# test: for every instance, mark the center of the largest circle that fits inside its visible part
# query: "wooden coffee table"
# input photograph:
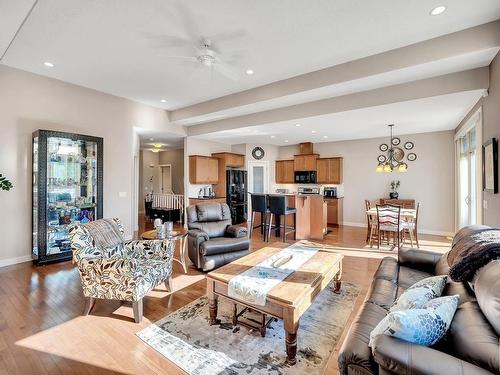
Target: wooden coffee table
(289, 299)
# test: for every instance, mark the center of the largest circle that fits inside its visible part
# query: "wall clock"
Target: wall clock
(258, 153)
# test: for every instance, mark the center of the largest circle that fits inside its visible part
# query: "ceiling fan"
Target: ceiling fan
(203, 51)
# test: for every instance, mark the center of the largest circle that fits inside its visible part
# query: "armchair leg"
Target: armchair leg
(137, 306)
(89, 304)
(169, 284)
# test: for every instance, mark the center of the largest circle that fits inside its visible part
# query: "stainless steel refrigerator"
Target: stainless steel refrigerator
(236, 194)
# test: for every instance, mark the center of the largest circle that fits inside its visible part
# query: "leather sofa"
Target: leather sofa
(471, 346)
(212, 240)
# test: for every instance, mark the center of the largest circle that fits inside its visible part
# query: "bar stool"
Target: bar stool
(259, 205)
(278, 207)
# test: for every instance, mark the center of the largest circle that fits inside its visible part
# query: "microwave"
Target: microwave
(305, 177)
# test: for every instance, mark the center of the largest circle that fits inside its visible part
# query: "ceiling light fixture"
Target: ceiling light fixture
(438, 10)
(286, 140)
(48, 64)
(297, 125)
(325, 136)
(151, 139)
(391, 163)
(163, 101)
(313, 131)
(249, 72)
(273, 136)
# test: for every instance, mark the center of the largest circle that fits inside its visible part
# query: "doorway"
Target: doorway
(468, 145)
(166, 178)
(258, 177)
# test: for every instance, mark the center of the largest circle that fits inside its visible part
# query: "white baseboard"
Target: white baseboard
(16, 260)
(423, 231)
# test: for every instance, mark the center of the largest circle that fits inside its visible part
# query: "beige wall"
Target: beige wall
(491, 129)
(176, 159)
(31, 102)
(429, 180)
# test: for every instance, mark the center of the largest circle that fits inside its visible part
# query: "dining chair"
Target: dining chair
(370, 221)
(413, 227)
(389, 221)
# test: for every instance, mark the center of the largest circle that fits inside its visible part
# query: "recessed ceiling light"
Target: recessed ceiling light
(286, 140)
(249, 72)
(48, 64)
(273, 136)
(313, 131)
(151, 139)
(163, 101)
(297, 125)
(325, 136)
(438, 10)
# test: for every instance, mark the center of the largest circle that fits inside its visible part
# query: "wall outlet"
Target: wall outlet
(122, 194)
(485, 204)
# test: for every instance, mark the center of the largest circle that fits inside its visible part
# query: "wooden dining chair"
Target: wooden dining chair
(370, 221)
(413, 227)
(389, 221)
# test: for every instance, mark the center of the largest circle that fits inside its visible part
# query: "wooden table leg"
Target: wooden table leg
(183, 253)
(212, 303)
(291, 324)
(338, 280)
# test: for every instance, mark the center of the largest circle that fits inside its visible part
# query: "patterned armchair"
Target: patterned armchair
(111, 268)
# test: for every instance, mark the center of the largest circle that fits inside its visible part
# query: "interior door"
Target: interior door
(166, 179)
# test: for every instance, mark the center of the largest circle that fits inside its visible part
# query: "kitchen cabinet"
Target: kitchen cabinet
(284, 171)
(231, 160)
(203, 169)
(329, 170)
(335, 211)
(226, 160)
(305, 162)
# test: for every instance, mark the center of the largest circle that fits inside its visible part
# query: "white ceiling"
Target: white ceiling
(417, 116)
(123, 47)
(167, 140)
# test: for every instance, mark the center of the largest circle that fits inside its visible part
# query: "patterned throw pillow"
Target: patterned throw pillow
(420, 293)
(424, 326)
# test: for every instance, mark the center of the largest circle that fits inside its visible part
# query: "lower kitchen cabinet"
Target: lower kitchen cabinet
(335, 211)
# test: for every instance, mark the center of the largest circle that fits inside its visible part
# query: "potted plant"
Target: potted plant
(394, 189)
(5, 184)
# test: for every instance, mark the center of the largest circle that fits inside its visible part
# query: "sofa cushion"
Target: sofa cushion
(223, 245)
(355, 351)
(388, 270)
(423, 326)
(473, 339)
(409, 276)
(382, 293)
(487, 288)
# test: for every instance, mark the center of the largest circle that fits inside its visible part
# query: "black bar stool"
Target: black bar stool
(259, 204)
(278, 206)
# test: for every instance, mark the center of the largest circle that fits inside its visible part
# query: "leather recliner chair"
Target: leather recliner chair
(212, 239)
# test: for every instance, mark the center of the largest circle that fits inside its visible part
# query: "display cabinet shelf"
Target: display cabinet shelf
(67, 190)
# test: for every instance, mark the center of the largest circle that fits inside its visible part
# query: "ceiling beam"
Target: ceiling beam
(474, 79)
(450, 45)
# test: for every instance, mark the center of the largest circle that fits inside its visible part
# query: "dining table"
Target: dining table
(407, 214)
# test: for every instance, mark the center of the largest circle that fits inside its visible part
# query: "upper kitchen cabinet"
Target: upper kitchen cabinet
(231, 160)
(203, 169)
(305, 162)
(284, 171)
(329, 170)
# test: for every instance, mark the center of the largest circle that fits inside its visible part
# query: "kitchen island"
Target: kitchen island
(311, 217)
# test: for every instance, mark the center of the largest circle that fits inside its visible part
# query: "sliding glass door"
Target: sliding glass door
(469, 159)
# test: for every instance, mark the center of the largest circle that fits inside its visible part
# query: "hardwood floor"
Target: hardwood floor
(42, 330)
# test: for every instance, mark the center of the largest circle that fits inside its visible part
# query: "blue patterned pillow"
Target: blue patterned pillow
(420, 293)
(424, 326)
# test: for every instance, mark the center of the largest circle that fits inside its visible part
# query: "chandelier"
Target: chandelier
(393, 160)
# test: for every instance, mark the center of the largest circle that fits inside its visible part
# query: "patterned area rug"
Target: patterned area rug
(186, 339)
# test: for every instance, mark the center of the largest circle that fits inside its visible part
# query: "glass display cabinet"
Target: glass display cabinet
(67, 190)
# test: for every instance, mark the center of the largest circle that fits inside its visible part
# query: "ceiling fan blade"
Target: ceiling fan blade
(162, 41)
(226, 71)
(189, 24)
(227, 36)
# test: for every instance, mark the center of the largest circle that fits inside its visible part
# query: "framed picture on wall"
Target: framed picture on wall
(490, 166)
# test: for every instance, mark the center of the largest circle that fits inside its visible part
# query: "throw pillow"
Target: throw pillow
(424, 326)
(420, 293)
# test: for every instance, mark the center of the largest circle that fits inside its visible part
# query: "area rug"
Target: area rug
(186, 339)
